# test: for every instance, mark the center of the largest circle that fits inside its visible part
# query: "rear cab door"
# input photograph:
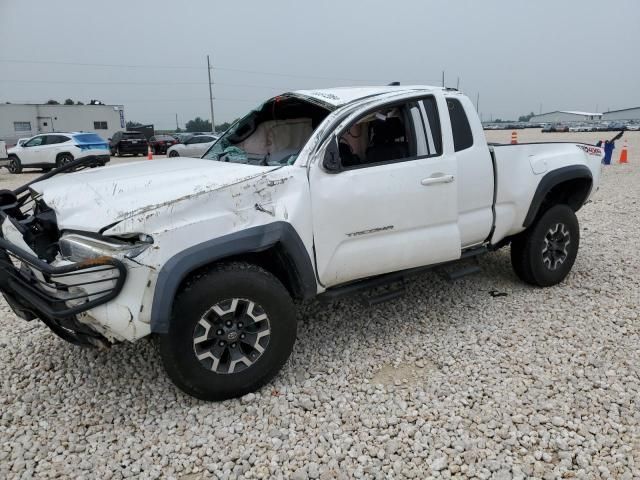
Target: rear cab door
(392, 202)
(55, 145)
(476, 182)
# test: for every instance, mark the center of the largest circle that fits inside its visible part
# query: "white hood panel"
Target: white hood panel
(93, 199)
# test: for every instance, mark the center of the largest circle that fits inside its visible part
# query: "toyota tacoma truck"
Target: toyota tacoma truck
(315, 193)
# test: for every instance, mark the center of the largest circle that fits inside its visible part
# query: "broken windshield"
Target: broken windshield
(271, 135)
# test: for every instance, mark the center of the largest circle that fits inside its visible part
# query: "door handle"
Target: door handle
(437, 178)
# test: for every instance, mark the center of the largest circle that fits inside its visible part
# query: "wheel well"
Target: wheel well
(572, 192)
(274, 260)
(63, 153)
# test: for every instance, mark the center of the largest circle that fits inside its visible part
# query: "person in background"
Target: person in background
(608, 146)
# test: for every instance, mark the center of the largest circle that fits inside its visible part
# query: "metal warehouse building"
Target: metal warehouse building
(625, 114)
(566, 116)
(26, 120)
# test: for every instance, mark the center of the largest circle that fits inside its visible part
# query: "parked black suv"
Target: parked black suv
(123, 143)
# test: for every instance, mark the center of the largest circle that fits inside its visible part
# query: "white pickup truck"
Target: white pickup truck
(314, 193)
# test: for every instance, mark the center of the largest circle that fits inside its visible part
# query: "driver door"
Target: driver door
(33, 150)
(391, 203)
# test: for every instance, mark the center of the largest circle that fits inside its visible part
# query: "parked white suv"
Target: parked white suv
(314, 193)
(51, 150)
(193, 147)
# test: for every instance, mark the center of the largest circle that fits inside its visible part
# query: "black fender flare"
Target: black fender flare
(550, 180)
(254, 239)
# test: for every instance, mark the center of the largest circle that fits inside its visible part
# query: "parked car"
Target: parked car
(633, 127)
(51, 150)
(321, 193)
(160, 143)
(128, 143)
(192, 147)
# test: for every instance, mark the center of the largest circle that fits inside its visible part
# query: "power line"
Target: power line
(194, 67)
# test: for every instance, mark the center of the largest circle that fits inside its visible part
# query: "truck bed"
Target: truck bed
(515, 164)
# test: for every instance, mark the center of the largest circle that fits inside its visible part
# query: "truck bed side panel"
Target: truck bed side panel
(520, 168)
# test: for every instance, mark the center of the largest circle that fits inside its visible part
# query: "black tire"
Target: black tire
(173, 153)
(205, 318)
(14, 166)
(63, 159)
(544, 254)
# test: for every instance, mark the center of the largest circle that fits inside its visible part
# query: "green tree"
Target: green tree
(53, 102)
(68, 101)
(222, 126)
(198, 125)
(79, 103)
(525, 118)
(131, 125)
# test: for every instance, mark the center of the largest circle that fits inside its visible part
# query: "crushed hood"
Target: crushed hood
(97, 198)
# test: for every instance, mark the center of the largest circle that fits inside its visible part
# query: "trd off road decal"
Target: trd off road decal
(597, 151)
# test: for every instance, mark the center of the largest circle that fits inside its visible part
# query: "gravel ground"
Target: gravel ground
(445, 382)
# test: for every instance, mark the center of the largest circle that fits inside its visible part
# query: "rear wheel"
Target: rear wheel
(14, 165)
(544, 254)
(231, 331)
(63, 159)
(173, 153)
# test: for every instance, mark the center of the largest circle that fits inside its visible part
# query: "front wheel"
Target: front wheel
(173, 153)
(544, 254)
(14, 165)
(231, 331)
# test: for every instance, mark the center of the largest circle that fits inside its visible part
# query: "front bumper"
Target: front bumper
(56, 295)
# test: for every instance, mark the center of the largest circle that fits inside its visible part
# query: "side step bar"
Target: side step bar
(387, 279)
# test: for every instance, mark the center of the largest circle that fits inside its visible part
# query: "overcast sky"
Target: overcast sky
(571, 54)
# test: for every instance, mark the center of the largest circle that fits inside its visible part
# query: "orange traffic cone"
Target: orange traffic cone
(150, 154)
(623, 154)
(514, 137)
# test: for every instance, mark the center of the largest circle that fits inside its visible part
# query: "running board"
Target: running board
(462, 270)
(387, 279)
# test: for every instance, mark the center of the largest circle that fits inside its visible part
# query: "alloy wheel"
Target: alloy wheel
(556, 241)
(231, 336)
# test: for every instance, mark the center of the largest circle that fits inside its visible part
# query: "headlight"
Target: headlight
(78, 248)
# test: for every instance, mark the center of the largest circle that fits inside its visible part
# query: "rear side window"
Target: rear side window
(432, 127)
(462, 136)
(53, 139)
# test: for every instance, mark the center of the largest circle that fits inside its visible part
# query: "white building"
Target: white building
(625, 114)
(26, 120)
(566, 116)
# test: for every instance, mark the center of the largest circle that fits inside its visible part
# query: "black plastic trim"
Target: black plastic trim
(251, 240)
(549, 181)
(35, 299)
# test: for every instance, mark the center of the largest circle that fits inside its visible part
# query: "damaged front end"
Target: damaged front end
(33, 286)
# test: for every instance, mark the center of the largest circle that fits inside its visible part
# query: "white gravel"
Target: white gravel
(446, 382)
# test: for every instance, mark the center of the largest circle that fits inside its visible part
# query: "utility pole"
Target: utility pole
(477, 102)
(213, 125)
(443, 79)
(177, 127)
(458, 84)
(540, 113)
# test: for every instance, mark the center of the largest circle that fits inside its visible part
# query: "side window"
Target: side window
(50, 140)
(432, 126)
(382, 136)
(462, 136)
(34, 142)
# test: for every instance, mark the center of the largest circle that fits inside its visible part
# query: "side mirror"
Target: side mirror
(331, 161)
